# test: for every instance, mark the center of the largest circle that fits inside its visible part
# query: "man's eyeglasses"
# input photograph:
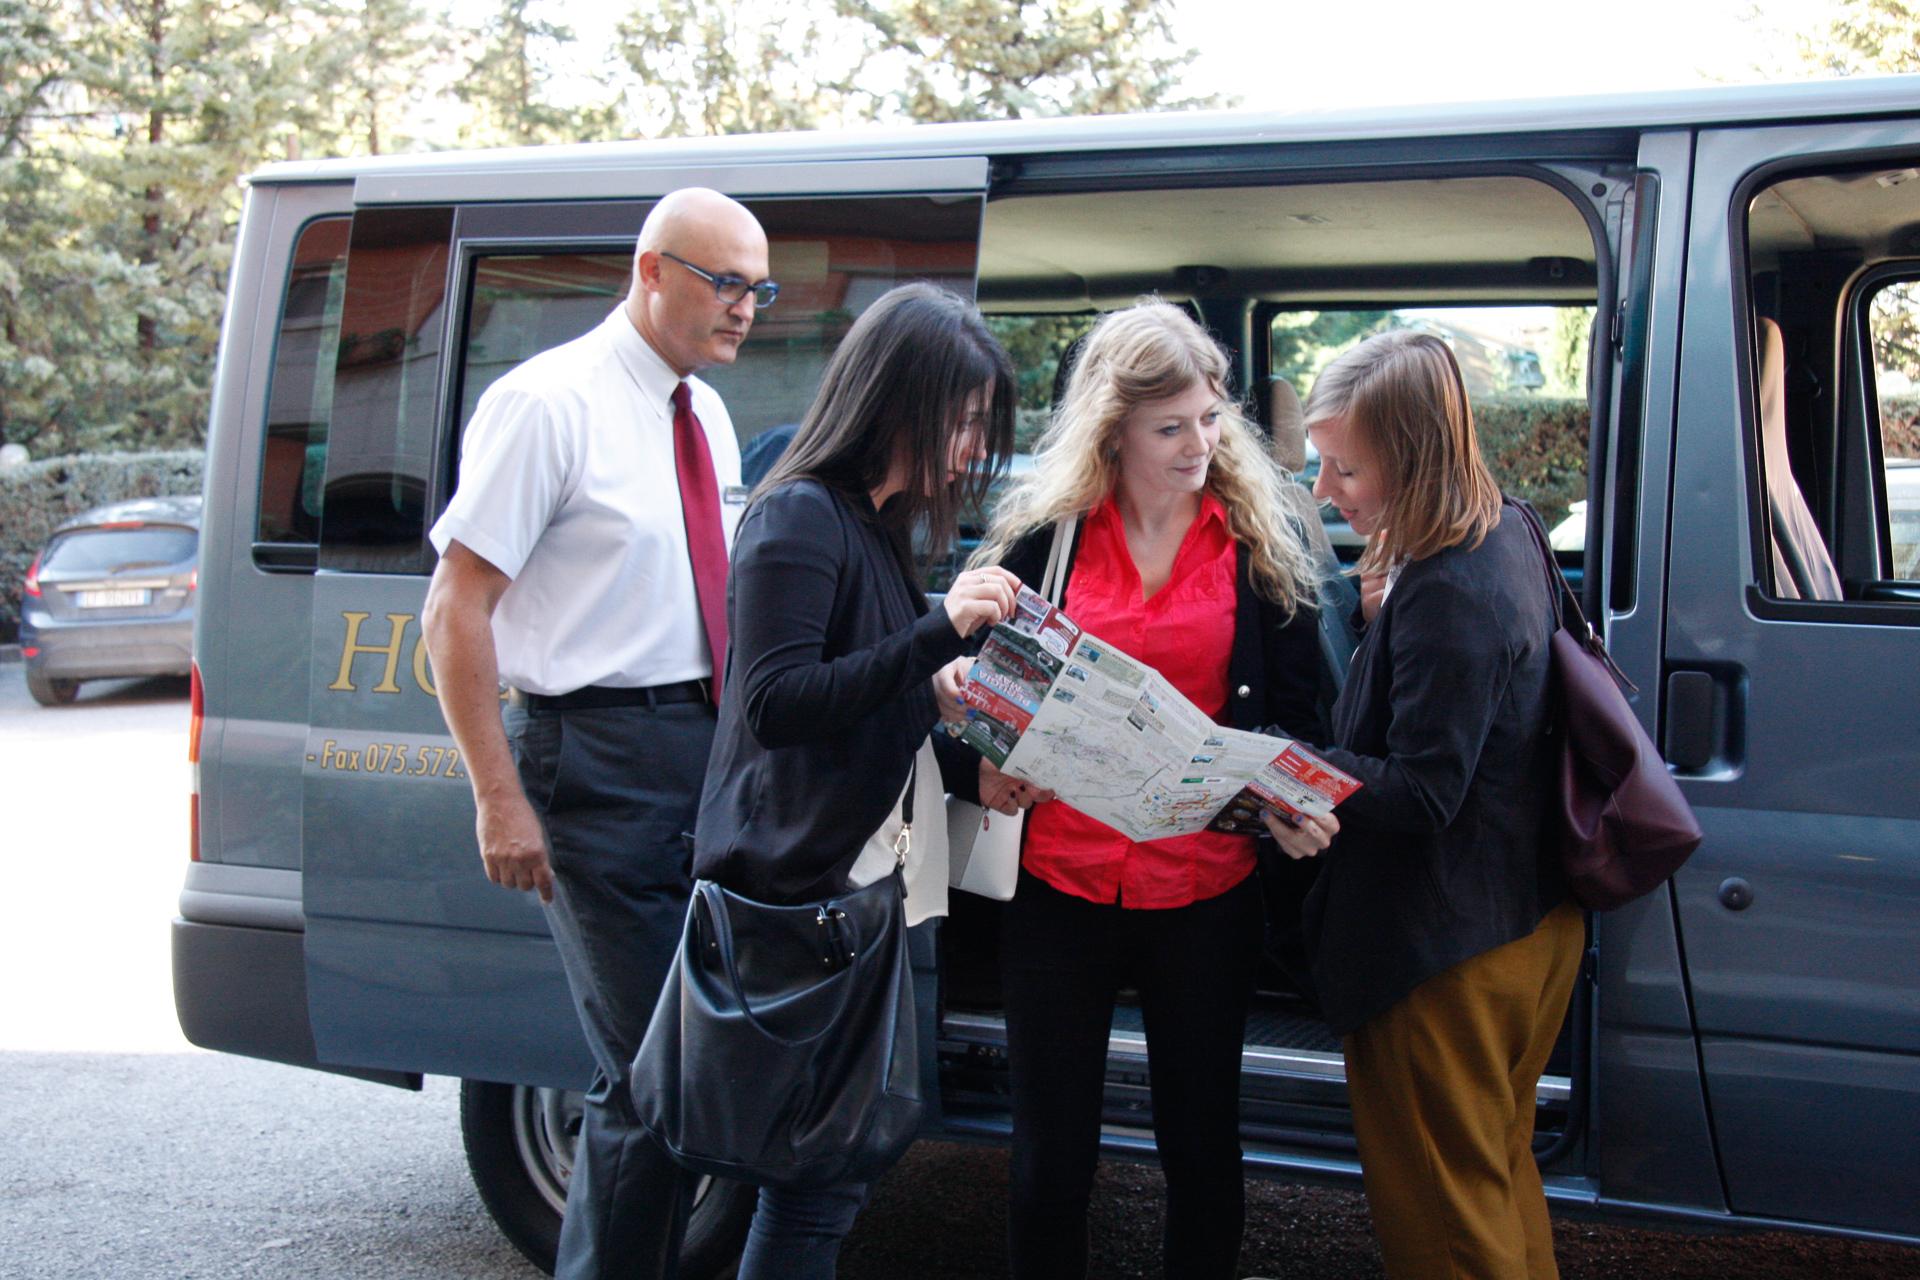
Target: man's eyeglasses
(730, 289)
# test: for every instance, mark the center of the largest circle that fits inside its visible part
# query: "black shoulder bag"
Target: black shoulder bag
(783, 1050)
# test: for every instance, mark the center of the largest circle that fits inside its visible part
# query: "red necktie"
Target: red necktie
(706, 544)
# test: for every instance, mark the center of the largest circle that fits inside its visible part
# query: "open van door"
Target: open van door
(414, 960)
(1789, 680)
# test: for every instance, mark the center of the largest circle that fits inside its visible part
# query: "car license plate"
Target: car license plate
(120, 599)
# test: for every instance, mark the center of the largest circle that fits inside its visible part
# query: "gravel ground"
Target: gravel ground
(939, 1215)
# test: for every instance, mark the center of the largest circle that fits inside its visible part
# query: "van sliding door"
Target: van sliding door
(1790, 692)
(415, 961)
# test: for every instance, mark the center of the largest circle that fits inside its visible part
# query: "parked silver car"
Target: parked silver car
(112, 594)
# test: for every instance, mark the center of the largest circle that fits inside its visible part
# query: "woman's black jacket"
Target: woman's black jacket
(1445, 717)
(1275, 672)
(827, 696)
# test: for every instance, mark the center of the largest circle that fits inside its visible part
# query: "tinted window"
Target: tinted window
(1893, 319)
(104, 550)
(386, 390)
(1833, 338)
(300, 395)
(522, 304)
(832, 258)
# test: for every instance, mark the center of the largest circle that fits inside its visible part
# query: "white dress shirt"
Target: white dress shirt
(568, 486)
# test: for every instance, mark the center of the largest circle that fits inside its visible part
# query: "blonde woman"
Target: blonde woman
(1184, 559)
(1444, 945)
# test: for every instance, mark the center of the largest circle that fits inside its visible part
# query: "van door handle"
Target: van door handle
(1705, 723)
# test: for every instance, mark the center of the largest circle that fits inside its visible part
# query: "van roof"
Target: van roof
(1716, 105)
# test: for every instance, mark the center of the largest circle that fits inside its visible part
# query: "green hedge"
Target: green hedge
(1537, 448)
(38, 496)
(1536, 445)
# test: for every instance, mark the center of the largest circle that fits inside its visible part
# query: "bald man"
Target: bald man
(582, 564)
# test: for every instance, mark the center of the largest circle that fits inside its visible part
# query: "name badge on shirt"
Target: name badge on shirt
(735, 495)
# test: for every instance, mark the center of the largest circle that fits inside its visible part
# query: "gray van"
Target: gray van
(1744, 1047)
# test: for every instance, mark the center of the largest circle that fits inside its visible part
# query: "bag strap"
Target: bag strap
(1053, 582)
(904, 841)
(710, 909)
(1567, 612)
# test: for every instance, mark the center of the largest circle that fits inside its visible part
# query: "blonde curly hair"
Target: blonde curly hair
(1151, 351)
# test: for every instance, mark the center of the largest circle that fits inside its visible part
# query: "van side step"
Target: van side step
(1288, 1059)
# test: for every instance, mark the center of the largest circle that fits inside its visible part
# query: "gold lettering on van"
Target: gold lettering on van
(396, 637)
(422, 676)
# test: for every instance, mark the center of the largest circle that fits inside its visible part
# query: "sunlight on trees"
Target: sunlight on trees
(126, 127)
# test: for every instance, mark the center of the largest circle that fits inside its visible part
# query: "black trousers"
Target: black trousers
(616, 787)
(1194, 966)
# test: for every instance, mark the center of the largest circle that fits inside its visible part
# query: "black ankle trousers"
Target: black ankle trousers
(1194, 966)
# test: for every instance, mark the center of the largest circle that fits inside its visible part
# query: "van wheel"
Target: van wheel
(49, 691)
(519, 1144)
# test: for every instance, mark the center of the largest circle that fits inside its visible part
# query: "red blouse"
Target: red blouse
(1186, 633)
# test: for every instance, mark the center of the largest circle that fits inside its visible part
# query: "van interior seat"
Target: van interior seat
(1802, 565)
(1339, 594)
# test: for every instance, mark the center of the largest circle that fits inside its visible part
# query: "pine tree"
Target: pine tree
(1865, 37)
(1007, 59)
(509, 84)
(184, 97)
(707, 66)
(736, 66)
(379, 56)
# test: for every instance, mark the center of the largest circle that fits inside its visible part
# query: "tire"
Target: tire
(49, 691)
(519, 1144)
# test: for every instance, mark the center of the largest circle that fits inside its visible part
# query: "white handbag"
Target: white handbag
(983, 847)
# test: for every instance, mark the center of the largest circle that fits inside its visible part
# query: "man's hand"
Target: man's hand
(1004, 793)
(513, 845)
(457, 623)
(946, 690)
(1306, 836)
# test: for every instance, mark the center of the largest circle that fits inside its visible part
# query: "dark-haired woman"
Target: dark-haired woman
(828, 698)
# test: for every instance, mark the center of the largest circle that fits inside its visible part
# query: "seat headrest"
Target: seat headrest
(1289, 427)
(1802, 565)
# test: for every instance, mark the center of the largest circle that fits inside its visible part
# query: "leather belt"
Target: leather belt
(597, 696)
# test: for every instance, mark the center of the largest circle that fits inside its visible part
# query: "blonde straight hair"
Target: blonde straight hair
(1150, 351)
(1405, 404)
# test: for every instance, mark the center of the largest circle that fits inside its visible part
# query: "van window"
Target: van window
(1525, 369)
(1039, 345)
(300, 392)
(832, 258)
(1893, 318)
(386, 388)
(1834, 306)
(105, 550)
(524, 303)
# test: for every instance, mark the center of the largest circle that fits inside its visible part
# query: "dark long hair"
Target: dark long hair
(897, 387)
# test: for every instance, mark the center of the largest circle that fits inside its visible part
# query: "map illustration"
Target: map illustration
(1110, 736)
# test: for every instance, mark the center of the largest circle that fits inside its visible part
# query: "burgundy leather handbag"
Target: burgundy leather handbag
(1624, 826)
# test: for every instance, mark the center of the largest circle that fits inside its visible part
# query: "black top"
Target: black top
(1275, 671)
(827, 695)
(1445, 718)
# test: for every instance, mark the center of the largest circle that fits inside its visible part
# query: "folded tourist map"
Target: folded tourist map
(1109, 735)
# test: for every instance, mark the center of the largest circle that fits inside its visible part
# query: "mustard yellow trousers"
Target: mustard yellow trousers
(1442, 1090)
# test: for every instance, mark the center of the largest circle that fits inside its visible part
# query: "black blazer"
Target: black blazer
(1274, 673)
(1444, 717)
(827, 695)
